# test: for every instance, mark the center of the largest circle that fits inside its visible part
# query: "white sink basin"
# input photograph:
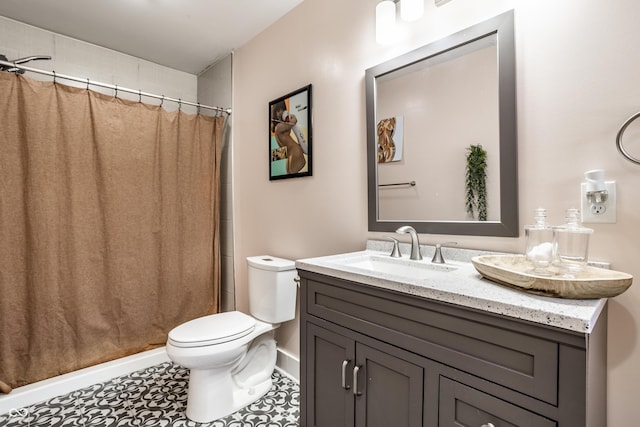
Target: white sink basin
(381, 264)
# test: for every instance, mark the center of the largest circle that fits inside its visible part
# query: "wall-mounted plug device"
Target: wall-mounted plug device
(597, 198)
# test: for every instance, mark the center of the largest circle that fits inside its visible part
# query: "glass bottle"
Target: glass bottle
(539, 244)
(571, 245)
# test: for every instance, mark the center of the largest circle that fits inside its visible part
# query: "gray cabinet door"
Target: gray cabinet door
(389, 390)
(354, 384)
(330, 355)
(464, 406)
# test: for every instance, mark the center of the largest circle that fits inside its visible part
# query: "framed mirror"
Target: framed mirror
(425, 110)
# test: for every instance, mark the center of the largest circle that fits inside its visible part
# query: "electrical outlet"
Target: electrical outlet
(604, 212)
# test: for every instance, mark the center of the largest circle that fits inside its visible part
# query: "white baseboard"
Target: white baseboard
(62, 384)
(288, 364)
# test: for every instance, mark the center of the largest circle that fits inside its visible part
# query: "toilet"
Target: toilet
(232, 355)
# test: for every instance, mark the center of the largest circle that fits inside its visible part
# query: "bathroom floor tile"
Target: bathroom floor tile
(156, 396)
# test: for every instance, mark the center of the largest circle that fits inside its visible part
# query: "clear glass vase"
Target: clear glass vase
(539, 244)
(571, 245)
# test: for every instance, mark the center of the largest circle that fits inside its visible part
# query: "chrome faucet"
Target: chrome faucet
(415, 243)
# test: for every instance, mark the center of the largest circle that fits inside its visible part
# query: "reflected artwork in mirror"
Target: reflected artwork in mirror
(425, 110)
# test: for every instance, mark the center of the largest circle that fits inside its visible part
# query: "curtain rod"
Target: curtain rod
(110, 86)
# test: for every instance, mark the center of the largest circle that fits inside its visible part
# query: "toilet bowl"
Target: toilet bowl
(231, 356)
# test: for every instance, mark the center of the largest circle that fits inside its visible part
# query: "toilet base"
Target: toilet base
(216, 393)
(206, 404)
(248, 396)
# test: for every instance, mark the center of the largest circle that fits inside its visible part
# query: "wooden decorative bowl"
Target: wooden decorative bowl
(515, 271)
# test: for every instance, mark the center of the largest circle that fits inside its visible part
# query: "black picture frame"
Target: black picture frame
(290, 135)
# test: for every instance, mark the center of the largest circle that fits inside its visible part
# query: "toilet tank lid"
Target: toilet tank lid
(212, 329)
(267, 262)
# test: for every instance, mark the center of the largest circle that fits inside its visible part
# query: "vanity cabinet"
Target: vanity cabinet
(379, 357)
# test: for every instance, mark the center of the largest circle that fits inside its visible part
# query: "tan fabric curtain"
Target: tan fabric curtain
(109, 226)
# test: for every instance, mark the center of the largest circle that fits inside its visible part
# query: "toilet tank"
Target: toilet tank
(272, 288)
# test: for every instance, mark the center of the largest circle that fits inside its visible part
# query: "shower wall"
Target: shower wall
(85, 60)
(214, 88)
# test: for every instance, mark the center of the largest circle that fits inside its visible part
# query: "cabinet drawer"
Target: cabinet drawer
(461, 405)
(456, 337)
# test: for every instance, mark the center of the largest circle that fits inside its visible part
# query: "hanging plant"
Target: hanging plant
(476, 177)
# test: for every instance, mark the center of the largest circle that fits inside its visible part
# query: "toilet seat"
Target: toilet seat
(213, 329)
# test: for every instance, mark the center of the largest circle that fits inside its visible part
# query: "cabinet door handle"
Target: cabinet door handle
(488, 425)
(355, 381)
(345, 363)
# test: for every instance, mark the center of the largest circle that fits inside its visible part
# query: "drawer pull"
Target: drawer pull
(355, 381)
(488, 425)
(345, 363)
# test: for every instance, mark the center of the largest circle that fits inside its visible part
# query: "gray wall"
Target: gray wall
(214, 88)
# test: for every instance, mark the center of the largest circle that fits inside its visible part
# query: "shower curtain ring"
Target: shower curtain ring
(54, 76)
(139, 95)
(115, 95)
(198, 108)
(162, 101)
(87, 83)
(179, 104)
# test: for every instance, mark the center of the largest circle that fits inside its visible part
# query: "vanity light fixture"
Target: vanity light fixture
(385, 21)
(386, 30)
(411, 10)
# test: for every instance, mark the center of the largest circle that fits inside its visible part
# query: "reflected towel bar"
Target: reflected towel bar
(411, 184)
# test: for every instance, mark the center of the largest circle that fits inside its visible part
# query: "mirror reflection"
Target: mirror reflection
(425, 112)
(441, 106)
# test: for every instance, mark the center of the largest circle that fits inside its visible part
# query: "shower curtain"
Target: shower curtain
(109, 226)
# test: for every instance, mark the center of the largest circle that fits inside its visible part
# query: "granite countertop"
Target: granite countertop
(462, 286)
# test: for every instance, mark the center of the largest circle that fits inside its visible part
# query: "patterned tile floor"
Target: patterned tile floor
(156, 396)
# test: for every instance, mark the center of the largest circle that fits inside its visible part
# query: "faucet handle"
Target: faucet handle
(437, 256)
(395, 253)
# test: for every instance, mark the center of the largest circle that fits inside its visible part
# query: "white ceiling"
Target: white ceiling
(187, 35)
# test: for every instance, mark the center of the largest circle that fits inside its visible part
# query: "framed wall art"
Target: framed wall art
(290, 135)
